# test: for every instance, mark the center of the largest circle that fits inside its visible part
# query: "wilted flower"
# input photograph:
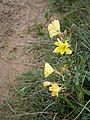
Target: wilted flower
(46, 83)
(62, 47)
(54, 28)
(55, 89)
(48, 70)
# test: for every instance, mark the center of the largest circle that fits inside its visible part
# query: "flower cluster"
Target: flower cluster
(62, 43)
(53, 87)
(62, 47)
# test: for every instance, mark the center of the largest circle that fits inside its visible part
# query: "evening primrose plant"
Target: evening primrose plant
(62, 48)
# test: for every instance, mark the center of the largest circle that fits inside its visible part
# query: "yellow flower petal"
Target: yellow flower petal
(54, 94)
(50, 89)
(59, 43)
(56, 24)
(54, 28)
(48, 70)
(46, 83)
(56, 50)
(62, 47)
(68, 51)
(54, 87)
(53, 33)
(62, 51)
(66, 44)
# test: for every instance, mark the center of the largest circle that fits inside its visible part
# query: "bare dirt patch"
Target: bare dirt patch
(15, 18)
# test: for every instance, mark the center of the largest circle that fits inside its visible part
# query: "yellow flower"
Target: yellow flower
(48, 70)
(46, 83)
(55, 89)
(62, 47)
(54, 28)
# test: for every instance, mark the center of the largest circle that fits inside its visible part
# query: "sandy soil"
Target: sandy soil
(15, 18)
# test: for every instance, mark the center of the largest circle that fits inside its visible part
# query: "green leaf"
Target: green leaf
(24, 91)
(86, 92)
(79, 91)
(88, 75)
(68, 102)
